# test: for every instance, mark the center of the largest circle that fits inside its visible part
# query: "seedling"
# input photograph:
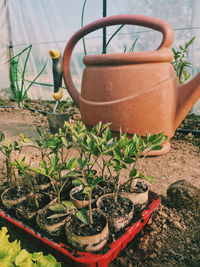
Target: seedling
(18, 79)
(180, 63)
(6, 148)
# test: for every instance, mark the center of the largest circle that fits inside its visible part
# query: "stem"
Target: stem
(90, 207)
(9, 169)
(36, 201)
(133, 184)
(115, 193)
(82, 16)
(58, 195)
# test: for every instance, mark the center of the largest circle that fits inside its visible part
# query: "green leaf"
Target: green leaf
(77, 182)
(86, 190)
(133, 45)
(58, 207)
(82, 162)
(117, 165)
(47, 261)
(129, 160)
(83, 216)
(148, 178)
(133, 172)
(157, 147)
(2, 136)
(71, 164)
(24, 256)
(117, 154)
(69, 205)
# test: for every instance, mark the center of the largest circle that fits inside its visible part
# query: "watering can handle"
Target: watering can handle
(140, 20)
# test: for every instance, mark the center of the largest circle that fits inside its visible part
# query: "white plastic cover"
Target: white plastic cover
(48, 24)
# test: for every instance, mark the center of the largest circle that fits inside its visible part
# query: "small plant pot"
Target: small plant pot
(120, 214)
(140, 194)
(52, 227)
(27, 210)
(12, 197)
(80, 204)
(56, 121)
(89, 243)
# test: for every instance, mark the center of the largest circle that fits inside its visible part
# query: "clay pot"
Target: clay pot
(10, 202)
(138, 197)
(88, 243)
(46, 225)
(118, 222)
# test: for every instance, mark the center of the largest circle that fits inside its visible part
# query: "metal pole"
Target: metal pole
(104, 29)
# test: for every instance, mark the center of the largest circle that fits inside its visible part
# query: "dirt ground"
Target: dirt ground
(171, 237)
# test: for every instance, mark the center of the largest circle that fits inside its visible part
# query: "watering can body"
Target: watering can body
(138, 92)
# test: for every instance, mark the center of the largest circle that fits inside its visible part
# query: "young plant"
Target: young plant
(88, 144)
(52, 170)
(49, 144)
(6, 148)
(180, 63)
(18, 76)
(28, 178)
(136, 148)
(125, 153)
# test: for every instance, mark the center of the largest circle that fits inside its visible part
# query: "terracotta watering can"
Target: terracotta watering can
(136, 91)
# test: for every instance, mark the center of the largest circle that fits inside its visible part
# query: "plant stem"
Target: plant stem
(90, 207)
(82, 17)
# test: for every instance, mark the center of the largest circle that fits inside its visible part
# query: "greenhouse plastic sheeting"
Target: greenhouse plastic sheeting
(48, 24)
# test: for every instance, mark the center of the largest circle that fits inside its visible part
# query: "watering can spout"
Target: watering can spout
(186, 96)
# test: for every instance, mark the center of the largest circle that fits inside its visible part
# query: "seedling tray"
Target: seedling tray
(85, 259)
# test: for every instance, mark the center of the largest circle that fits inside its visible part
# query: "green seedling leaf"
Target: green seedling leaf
(69, 205)
(58, 207)
(71, 164)
(128, 160)
(117, 165)
(133, 172)
(78, 182)
(82, 162)
(86, 190)
(83, 216)
(117, 154)
(2, 136)
(106, 134)
(157, 148)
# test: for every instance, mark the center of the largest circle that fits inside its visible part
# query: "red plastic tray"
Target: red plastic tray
(86, 259)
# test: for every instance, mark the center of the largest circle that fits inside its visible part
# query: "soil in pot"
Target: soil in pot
(27, 210)
(15, 195)
(119, 214)
(42, 182)
(65, 193)
(140, 194)
(88, 237)
(50, 221)
(80, 199)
